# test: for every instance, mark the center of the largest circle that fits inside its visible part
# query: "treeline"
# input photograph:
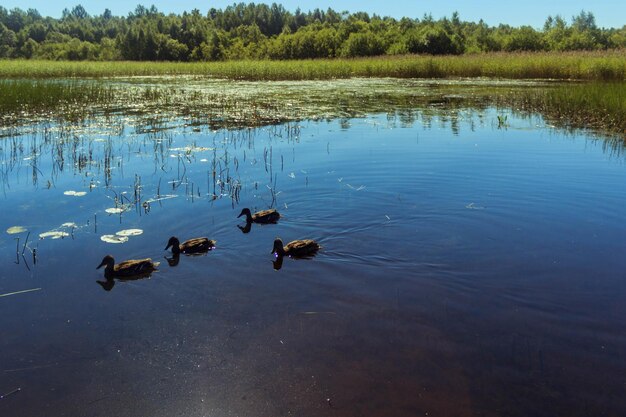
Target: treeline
(260, 31)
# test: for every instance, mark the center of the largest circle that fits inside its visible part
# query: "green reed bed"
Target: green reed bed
(33, 96)
(223, 103)
(597, 105)
(608, 65)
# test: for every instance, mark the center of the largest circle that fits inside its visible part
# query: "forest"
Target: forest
(261, 31)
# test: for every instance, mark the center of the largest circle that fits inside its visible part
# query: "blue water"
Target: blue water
(466, 269)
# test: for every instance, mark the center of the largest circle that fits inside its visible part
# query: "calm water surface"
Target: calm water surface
(466, 270)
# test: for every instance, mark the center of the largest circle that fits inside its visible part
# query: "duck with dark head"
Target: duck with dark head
(305, 248)
(132, 269)
(262, 217)
(129, 268)
(191, 246)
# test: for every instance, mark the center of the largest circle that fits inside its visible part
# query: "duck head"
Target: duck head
(246, 212)
(108, 262)
(278, 248)
(174, 243)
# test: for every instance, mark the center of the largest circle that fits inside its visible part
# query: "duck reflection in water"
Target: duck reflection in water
(173, 260)
(299, 249)
(130, 270)
(109, 282)
(246, 228)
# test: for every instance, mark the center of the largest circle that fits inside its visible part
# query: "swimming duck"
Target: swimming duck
(296, 248)
(130, 268)
(195, 245)
(265, 216)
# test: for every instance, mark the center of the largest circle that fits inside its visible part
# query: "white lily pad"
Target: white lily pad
(129, 232)
(75, 193)
(114, 210)
(53, 234)
(113, 239)
(69, 224)
(16, 229)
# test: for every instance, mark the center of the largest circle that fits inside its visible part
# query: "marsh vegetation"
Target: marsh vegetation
(469, 231)
(604, 65)
(226, 103)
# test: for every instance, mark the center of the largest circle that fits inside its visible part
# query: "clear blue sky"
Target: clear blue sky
(608, 13)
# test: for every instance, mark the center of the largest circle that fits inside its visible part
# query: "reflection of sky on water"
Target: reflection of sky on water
(462, 261)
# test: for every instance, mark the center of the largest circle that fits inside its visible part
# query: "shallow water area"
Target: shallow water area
(469, 267)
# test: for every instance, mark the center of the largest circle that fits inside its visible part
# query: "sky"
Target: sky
(608, 13)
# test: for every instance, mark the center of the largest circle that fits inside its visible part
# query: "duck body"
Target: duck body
(296, 248)
(195, 245)
(263, 217)
(129, 268)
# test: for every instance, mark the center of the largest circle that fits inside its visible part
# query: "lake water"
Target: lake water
(469, 268)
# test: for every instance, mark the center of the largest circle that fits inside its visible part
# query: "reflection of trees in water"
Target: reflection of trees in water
(102, 143)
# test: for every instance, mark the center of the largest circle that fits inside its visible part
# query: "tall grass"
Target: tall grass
(596, 105)
(609, 65)
(221, 103)
(40, 95)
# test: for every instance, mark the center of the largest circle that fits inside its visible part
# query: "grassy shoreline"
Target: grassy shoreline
(600, 106)
(606, 65)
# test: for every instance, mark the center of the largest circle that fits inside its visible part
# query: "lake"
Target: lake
(471, 265)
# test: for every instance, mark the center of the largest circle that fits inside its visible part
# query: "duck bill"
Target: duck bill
(101, 265)
(169, 245)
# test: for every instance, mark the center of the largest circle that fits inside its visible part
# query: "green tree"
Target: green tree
(362, 44)
(524, 39)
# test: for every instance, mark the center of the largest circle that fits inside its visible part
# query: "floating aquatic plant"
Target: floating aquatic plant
(115, 210)
(75, 193)
(114, 238)
(16, 229)
(53, 234)
(129, 232)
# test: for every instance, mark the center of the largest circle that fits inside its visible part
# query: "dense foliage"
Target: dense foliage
(260, 31)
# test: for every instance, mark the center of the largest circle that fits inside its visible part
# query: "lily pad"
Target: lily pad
(114, 210)
(113, 239)
(129, 232)
(69, 224)
(53, 234)
(75, 193)
(16, 229)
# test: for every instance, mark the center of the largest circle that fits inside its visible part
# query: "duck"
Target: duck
(129, 268)
(265, 216)
(296, 248)
(195, 245)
